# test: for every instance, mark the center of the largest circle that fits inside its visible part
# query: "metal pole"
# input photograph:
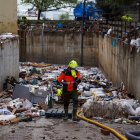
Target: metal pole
(42, 42)
(82, 32)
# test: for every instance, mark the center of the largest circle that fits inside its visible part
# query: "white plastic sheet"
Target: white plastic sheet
(4, 111)
(20, 103)
(7, 117)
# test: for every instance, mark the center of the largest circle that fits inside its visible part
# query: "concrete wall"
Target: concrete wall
(60, 48)
(121, 64)
(8, 16)
(9, 60)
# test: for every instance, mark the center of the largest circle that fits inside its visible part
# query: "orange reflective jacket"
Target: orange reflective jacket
(69, 82)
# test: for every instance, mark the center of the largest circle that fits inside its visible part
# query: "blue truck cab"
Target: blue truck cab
(90, 11)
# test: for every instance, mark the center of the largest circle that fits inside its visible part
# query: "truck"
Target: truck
(88, 11)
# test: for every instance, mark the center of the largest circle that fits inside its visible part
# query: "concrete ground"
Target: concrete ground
(57, 129)
(43, 128)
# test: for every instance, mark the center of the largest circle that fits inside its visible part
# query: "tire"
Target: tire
(133, 135)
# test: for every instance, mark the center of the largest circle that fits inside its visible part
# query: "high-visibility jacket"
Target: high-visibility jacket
(69, 82)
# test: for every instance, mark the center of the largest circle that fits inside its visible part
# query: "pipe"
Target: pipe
(118, 135)
(82, 33)
(42, 41)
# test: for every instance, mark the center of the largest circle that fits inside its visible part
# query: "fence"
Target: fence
(119, 27)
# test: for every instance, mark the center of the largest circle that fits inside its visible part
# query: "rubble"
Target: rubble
(110, 109)
(34, 94)
(6, 36)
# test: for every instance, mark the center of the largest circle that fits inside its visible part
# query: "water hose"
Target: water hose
(117, 134)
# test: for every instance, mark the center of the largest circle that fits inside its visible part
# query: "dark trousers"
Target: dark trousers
(70, 95)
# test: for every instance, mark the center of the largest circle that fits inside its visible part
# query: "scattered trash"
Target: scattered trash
(7, 117)
(12, 131)
(105, 132)
(35, 93)
(4, 111)
(74, 137)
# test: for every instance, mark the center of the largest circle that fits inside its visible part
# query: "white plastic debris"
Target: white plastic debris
(4, 111)
(138, 111)
(20, 103)
(118, 120)
(33, 89)
(114, 93)
(86, 93)
(111, 109)
(7, 36)
(88, 104)
(27, 104)
(7, 117)
(133, 42)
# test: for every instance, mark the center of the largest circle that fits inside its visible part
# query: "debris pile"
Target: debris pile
(113, 109)
(105, 101)
(35, 93)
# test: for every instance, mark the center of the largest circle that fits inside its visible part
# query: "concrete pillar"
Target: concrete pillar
(9, 59)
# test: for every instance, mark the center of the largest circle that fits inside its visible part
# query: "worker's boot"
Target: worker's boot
(74, 116)
(66, 115)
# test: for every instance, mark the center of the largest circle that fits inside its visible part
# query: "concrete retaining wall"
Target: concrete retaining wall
(60, 48)
(9, 60)
(121, 64)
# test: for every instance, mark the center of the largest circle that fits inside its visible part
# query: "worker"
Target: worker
(69, 78)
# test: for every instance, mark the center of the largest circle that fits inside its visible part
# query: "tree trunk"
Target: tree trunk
(39, 13)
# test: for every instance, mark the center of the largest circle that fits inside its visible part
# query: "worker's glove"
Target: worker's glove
(73, 73)
(59, 92)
